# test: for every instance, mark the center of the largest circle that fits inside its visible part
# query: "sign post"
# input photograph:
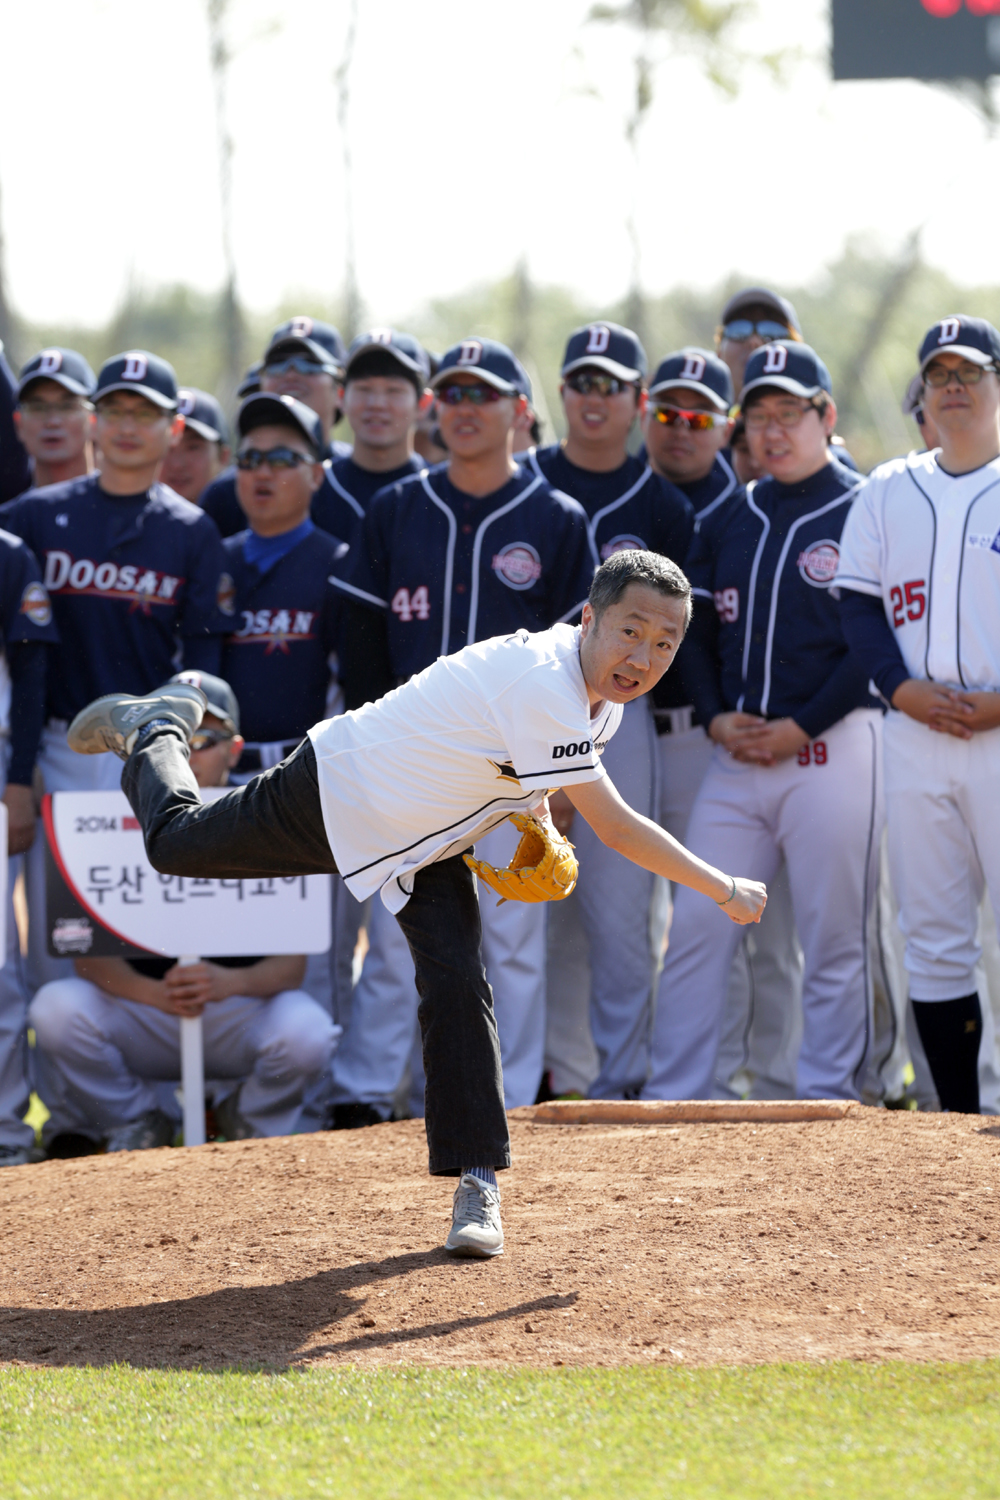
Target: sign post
(104, 899)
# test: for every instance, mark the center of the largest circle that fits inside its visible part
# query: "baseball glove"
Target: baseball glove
(544, 867)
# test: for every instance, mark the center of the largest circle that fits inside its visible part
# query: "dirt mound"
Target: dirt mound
(870, 1237)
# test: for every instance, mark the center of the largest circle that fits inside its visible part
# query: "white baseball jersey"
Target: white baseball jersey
(928, 544)
(419, 775)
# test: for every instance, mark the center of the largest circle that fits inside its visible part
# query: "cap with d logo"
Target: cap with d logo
(695, 370)
(202, 414)
(753, 297)
(606, 346)
(64, 366)
(266, 409)
(489, 361)
(402, 348)
(318, 341)
(972, 338)
(142, 372)
(787, 367)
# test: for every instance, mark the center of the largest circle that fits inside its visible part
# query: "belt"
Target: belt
(263, 757)
(675, 720)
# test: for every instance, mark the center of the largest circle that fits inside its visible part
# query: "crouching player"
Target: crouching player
(393, 794)
(109, 1039)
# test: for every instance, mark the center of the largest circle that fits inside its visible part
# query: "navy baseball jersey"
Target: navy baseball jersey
(450, 569)
(766, 638)
(25, 607)
(278, 658)
(138, 584)
(628, 507)
(15, 466)
(330, 511)
(356, 486)
(28, 627)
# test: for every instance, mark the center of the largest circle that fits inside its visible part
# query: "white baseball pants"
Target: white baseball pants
(825, 819)
(370, 1062)
(103, 1061)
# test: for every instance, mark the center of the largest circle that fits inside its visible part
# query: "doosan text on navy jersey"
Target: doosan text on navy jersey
(139, 587)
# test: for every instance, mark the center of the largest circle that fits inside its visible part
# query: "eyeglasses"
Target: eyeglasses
(697, 421)
(54, 408)
(742, 328)
(275, 458)
(596, 383)
(757, 418)
(479, 395)
(204, 739)
(967, 374)
(297, 362)
(146, 415)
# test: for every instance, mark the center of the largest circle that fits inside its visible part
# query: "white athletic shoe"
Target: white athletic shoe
(475, 1220)
(112, 722)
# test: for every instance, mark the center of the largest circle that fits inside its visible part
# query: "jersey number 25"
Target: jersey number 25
(908, 602)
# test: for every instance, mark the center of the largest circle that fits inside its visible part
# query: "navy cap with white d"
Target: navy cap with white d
(973, 338)
(489, 361)
(320, 342)
(606, 346)
(64, 366)
(407, 352)
(266, 409)
(752, 297)
(138, 370)
(203, 414)
(222, 702)
(694, 369)
(786, 367)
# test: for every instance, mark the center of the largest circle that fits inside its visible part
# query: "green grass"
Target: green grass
(767, 1431)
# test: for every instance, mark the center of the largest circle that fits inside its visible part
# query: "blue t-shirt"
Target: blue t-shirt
(451, 568)
(766, 637)
(280, 659)
(138, 584)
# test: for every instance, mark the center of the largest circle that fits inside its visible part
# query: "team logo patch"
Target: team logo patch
(36, 605)
(818, 563)
(505, 770)
(518, 564)
(622, 544)
(225, 594)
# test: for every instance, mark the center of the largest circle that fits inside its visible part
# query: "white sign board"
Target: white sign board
(105, 898)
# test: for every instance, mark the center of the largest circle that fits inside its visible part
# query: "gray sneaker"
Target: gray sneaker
(112, 722)
(20, 1156)
(475, 1220)
(146, 1133)
(230, 1122)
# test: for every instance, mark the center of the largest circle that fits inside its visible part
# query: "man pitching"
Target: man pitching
(393, 794)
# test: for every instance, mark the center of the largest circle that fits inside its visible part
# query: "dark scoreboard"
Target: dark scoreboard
(916, 38)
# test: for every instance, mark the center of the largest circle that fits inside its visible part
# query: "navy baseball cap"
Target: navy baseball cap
(759, 296)
(203, 414)
(265, 409)
(138, 370)
(973, 338)
(693, 369)
(605, 346)
(319, 341)
(407, 351)
(251, 380)
(64, 366)
(222, 702)
(786, 367)
(488, 361)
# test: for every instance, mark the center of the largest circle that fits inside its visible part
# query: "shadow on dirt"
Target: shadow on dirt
(237, 1327)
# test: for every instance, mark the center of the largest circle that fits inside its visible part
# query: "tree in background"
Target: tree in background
(351, 324)
(220, 58)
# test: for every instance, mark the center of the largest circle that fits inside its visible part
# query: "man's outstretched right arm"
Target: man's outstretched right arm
(646, 844)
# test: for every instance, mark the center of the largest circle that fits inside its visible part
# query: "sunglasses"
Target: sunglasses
(297, 362)
(742, 328)
(204, 739)
(479, 395)
(696, 421)
(275, 458)
(596, 383)
(970, 374)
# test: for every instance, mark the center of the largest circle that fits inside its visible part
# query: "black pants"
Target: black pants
(273, 826)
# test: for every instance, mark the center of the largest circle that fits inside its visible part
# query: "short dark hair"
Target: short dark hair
(651, 569)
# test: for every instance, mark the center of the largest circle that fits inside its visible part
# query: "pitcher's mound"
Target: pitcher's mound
(870, 1236)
